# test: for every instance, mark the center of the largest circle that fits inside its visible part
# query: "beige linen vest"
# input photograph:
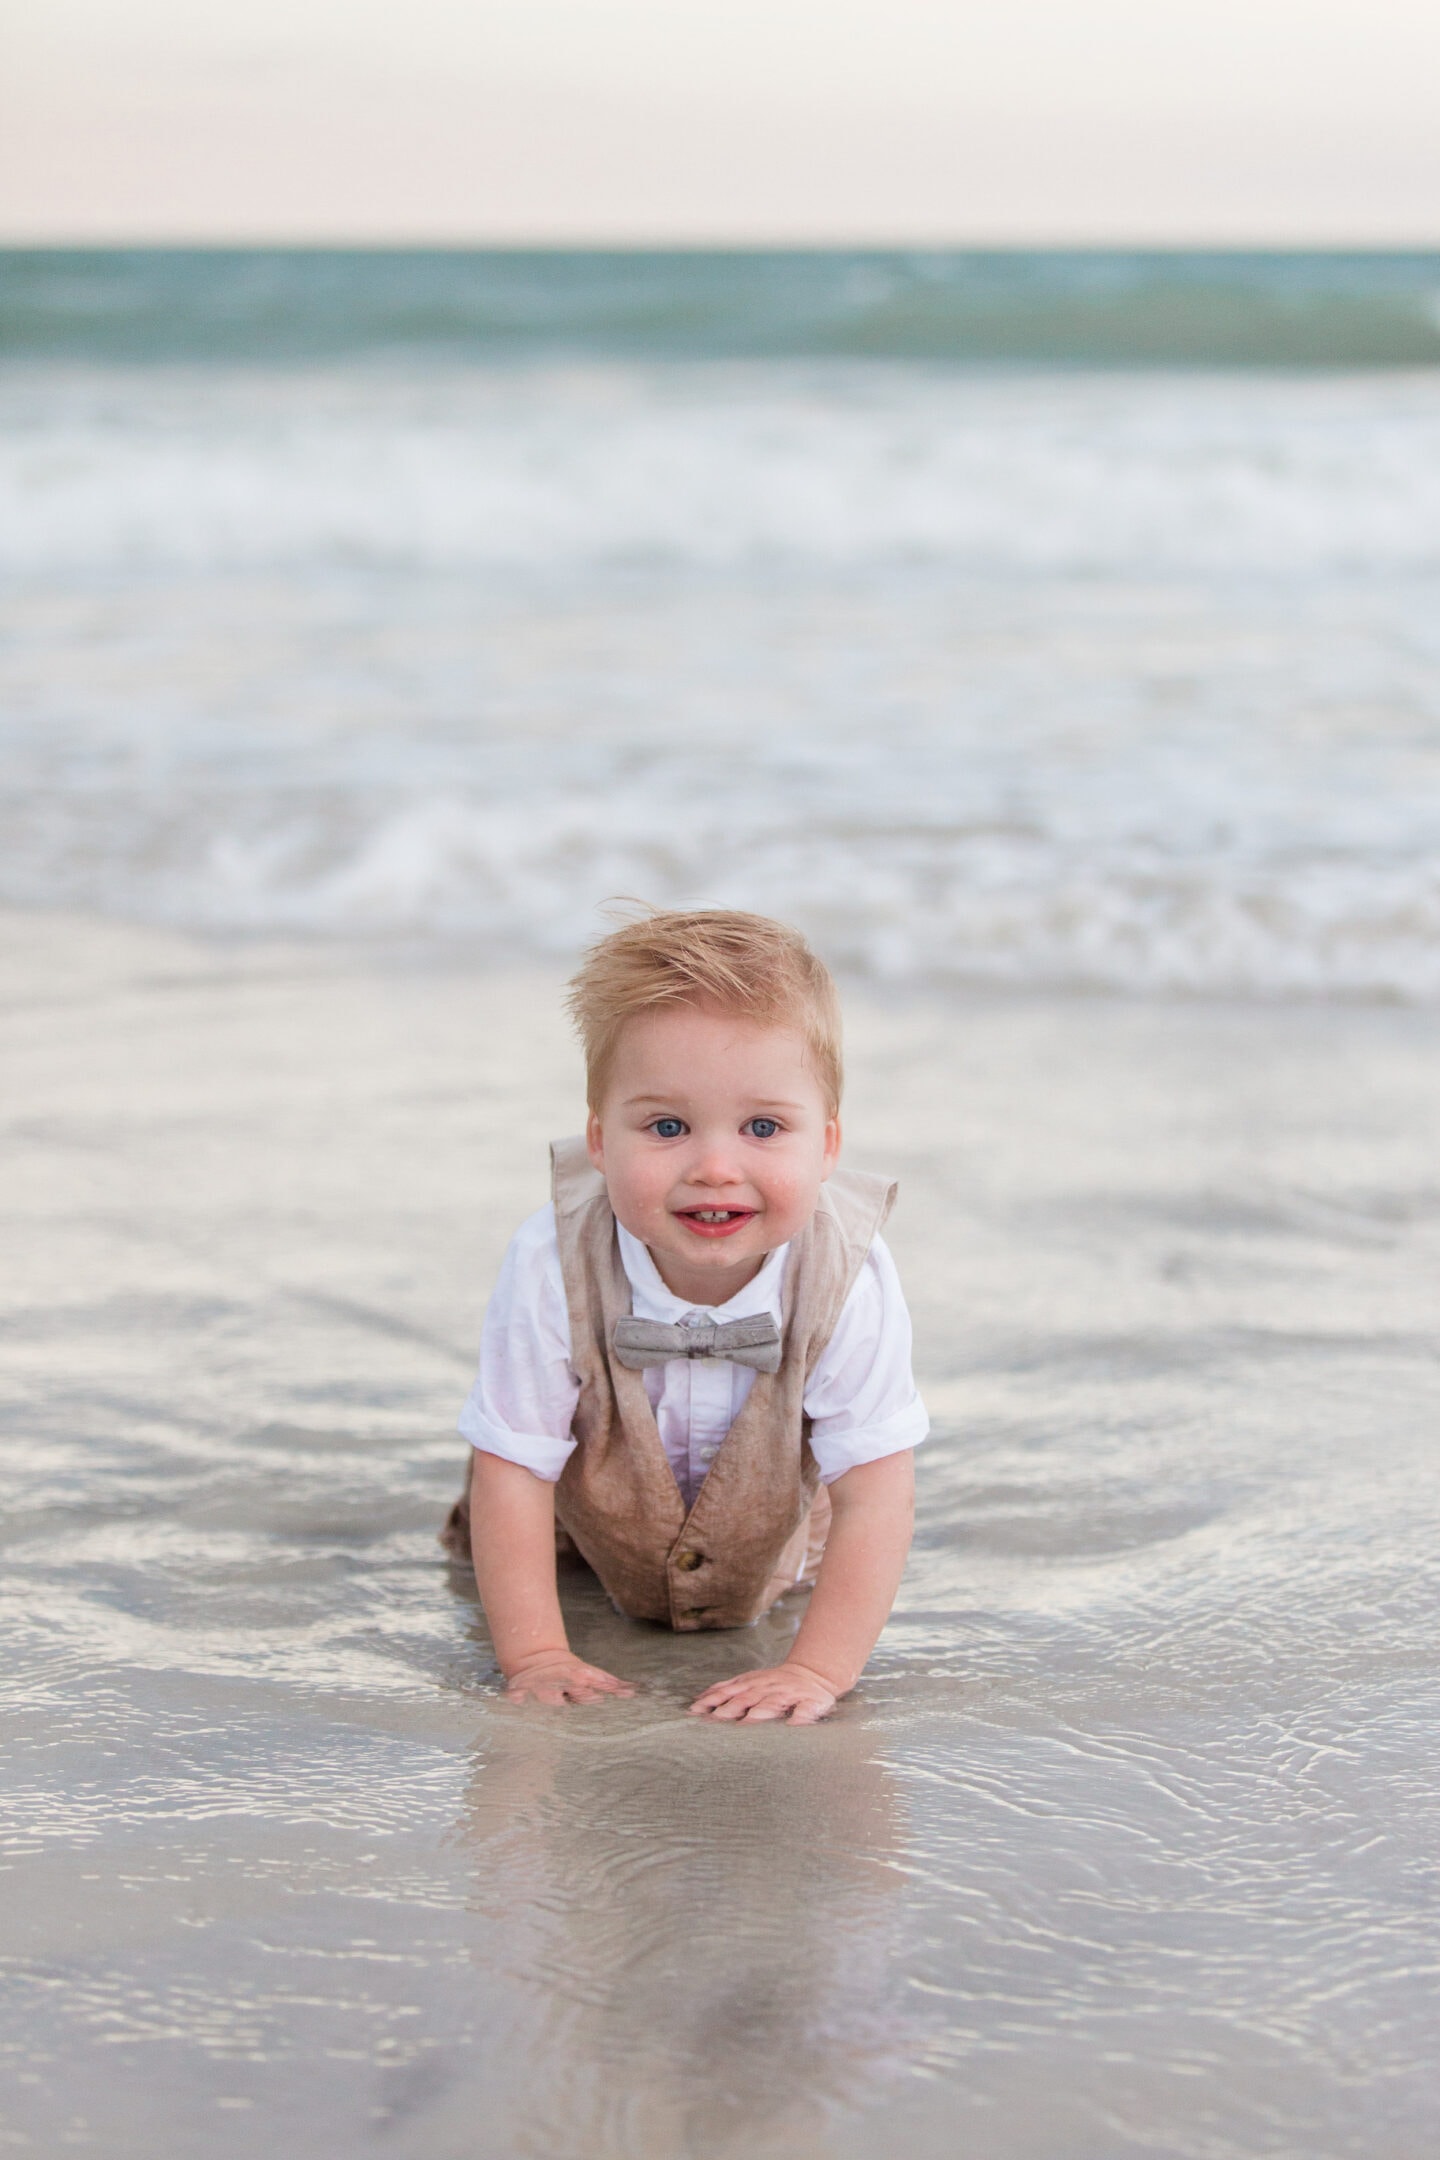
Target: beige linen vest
(758, 1522)
(744, 1542)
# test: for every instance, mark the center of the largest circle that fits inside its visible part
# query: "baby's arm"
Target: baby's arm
(512, 1539)
(870, 1531)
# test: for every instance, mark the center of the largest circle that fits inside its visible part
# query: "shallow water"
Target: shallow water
(1126, 1842)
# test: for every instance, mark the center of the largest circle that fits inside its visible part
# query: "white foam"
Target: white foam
(899, 900)
(708, 467)
(1092, 681)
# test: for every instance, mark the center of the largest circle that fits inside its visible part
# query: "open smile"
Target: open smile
(715, 1222)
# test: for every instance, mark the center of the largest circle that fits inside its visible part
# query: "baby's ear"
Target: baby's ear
(832, 1146)
(595, 1142)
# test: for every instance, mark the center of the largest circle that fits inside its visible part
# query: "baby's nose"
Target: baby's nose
(715, 1164)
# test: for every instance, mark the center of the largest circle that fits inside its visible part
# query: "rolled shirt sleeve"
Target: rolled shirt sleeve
(862, 1399)
(523, 1400)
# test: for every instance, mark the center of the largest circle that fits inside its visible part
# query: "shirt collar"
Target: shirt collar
(652, 1301)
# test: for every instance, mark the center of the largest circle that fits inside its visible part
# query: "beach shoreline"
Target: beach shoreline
(1120, 1846)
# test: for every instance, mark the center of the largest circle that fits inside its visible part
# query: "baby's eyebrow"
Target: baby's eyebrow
(671, 1102)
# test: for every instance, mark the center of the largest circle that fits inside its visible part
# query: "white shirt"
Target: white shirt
(861, 1397)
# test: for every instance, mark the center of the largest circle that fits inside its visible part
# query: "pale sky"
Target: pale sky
(926, 121)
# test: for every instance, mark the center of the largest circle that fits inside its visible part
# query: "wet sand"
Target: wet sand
(1126, 1843)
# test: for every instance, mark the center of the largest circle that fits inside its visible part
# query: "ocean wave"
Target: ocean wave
(1097, 681)
(930, 902)
(542, 473)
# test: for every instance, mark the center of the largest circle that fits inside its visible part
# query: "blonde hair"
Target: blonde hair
(745, 964)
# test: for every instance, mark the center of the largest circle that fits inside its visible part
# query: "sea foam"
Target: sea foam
(1118, 681)
(548, 470)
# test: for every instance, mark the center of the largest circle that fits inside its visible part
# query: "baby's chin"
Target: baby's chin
(702, 1249)
(722, 1266)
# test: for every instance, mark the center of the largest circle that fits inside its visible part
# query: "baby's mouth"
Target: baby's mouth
(716, 1222)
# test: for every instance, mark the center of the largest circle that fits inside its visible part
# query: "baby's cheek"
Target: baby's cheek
(792, 1196)
(650, 1207)
(635, 1203)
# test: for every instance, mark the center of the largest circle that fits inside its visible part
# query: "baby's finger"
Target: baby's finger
(723, 1691)
(718, 1701)
(593, 1686)
(748, 1704)
(765, 1710)
(810, 1713)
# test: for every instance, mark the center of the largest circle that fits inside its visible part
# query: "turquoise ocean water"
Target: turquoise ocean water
(1073, 308)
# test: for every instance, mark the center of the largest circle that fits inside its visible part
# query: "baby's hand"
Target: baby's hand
(786, 1691)
(555, 1676)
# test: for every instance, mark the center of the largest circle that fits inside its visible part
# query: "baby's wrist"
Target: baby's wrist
(526, 1660)
(828, 1681)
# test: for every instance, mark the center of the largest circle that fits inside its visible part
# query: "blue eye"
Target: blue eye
(764, 1128)
(668, 1128)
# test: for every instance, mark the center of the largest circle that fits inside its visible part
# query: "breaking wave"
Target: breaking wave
(1091, 680)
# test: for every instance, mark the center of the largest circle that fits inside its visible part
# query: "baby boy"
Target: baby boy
(695, 1369)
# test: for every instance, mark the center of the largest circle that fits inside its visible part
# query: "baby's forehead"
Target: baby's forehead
(700, 1046)
(657, 1028)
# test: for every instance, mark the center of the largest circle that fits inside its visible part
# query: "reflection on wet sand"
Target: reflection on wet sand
(697, 1920)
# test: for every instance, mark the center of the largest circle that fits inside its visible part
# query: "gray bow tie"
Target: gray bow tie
(741, 1342)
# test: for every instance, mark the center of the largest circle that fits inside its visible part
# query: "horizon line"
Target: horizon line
(713, 244)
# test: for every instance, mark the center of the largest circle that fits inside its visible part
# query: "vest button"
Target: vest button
(689, 1561)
